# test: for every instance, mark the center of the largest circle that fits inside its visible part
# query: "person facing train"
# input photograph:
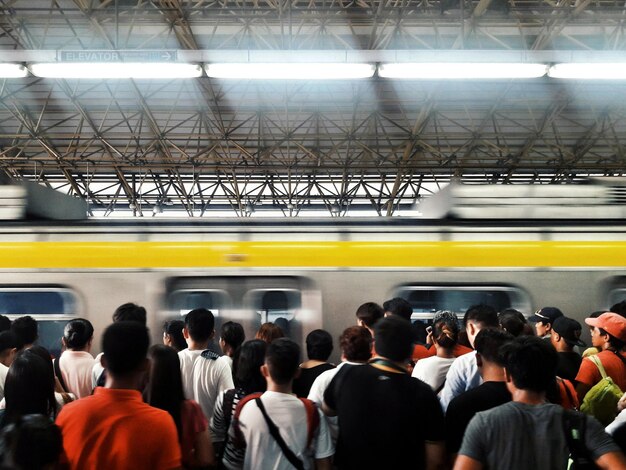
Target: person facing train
(463, 374)
(204, 375)
(114, 428)
(445, 332)
(544, 319)
(381, 395)
(319, 346)
(76, 363)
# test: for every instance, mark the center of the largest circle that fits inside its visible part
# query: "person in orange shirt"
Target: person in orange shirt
(114, 428)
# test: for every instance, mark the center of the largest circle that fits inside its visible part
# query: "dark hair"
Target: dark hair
(445, 329)
(32, 442)
(165, 385)
(531, 362)
(512, 321)
(398, 306)
(26, 330)
(77, 333)
(619, 308)
(488, 344)
(232, 334)
(8, 340)
(247, 362)
(200, 323)
(393, 338)
(174, 329)
(486, 315)
(282, 358)
(125, 345)
(5, 323)
(319, 345)
(130, 312)
(369, 313)
(617, 343)
(29, 387)
(269, 331)
(356, 343)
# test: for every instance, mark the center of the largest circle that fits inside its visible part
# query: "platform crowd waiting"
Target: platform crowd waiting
(496, 390)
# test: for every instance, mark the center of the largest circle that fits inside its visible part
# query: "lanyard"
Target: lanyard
(390, 365)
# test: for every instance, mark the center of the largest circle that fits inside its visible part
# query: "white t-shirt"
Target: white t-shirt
(433, 370)
(289, 415)
(205, 376)
(316, 394)
(76, 369)
(3, 378)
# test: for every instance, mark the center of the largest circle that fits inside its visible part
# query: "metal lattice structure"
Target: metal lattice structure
(206, 146)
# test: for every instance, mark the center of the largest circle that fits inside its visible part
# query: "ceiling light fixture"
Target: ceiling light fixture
(290, 71)
(13, 71)
(589, 71)
(461, 70)
(105, 70)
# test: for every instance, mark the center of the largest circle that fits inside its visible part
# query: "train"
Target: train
(312, 273)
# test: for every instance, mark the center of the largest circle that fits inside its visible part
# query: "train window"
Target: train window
(273, 304)
(185, 300)
(426, 300)
(52, 307)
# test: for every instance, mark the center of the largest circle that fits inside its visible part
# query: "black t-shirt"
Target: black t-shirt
(569, 363)
(463, 408)
(384, 418)
(302, 385)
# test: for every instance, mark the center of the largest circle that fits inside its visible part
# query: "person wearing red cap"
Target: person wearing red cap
(608, 333)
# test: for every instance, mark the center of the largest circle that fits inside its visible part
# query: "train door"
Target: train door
(249, 300)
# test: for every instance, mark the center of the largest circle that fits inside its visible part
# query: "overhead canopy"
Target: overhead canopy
(206, 146)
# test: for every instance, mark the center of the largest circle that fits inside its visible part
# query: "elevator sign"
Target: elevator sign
(116, 56)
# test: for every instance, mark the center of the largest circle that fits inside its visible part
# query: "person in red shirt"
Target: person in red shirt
(114, 428)
(608, 333)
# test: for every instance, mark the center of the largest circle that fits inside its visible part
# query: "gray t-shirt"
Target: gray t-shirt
(517, 436)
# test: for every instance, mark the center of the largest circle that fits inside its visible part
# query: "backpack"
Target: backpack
(601, 400)
(312, 418)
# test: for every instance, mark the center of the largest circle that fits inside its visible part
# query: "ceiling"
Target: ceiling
(204, 147)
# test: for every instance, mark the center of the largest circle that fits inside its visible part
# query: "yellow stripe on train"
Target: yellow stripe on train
(68, 255)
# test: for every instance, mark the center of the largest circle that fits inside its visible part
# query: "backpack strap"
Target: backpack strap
(574, 425)
(599, 365)
(312, 419)
(57, 373)
(568, 388)
(239, 440)
(293, 459)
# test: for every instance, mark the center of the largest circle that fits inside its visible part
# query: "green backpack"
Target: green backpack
(601, 400)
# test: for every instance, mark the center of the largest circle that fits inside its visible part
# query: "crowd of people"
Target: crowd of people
(497, 390)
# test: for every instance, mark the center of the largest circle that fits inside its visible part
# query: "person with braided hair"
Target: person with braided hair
(445, 332)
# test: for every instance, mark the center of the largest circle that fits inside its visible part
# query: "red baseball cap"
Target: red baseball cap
(612, 323)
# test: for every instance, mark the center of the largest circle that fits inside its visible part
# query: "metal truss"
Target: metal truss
(203, 147)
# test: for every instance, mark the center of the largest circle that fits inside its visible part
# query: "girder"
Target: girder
(207, 147)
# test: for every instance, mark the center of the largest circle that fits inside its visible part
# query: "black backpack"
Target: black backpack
(574, 426)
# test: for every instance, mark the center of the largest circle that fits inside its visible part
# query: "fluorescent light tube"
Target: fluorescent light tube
(290, 71)
(13, 71)
(460, 70)
(589, 71)
(103, 70)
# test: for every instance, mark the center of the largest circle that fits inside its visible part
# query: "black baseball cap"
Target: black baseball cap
(569, 329)
(546, 315)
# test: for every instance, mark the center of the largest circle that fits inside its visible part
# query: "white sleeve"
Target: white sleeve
(324, 446)
(226, 378)
(316, 394)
